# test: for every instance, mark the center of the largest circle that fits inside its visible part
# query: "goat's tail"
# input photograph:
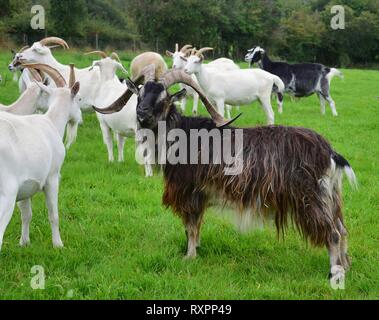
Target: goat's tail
(279, 83)
(343, 164)
(334, 72)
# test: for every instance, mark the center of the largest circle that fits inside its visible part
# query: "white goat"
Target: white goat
(32, 155)
(237, 87)
(40, 52)
(179, 58)
(123, 123)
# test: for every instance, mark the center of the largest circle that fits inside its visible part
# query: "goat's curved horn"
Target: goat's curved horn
(100, 53)
(54, 40)
(35, 74)
(72, 76)
(23, 49)
(200, 52)
(147, 74)
(178, 76)
(186, 49)
(51, 72)
(115, 56)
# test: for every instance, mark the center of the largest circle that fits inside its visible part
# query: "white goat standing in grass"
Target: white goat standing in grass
(123, 123)
(180, 58)
(40, 52)
(235, 87)
(32, 155)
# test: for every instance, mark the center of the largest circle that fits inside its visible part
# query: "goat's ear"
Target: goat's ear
(75, 89)
(43, 87)
(132, 86)
(178, 96)
(169, 53)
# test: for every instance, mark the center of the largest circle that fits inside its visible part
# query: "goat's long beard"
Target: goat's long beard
(71, 133)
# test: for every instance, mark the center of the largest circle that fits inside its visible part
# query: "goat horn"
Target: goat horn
(186, 48)
(35, 74)
(178, 76)
(23, 49)
(115, 56)
(200, 52)
(54, 40)
(147, 74)
(72, 76)
(100, 53)
(51, 72)
(177, 47)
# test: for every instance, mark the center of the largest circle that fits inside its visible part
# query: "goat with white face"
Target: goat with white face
(123, 123)
(301, 79)
(40, 52)
(235, 87)
(178, 63)
(32, 156)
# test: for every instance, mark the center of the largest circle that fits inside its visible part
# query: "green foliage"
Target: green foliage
(296, 30)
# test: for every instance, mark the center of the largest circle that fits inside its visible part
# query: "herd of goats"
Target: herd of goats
(290, 174)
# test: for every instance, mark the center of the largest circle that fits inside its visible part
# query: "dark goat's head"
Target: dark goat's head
(154, 100)
(254, 55)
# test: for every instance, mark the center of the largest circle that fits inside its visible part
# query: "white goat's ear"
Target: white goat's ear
(178, 96)
(121, 67)
(132, 86)
(169, 53)
(44, 88)
(95, 64)
(75, 89)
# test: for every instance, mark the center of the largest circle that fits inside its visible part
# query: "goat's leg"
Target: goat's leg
(332, 105)
(337, 271)
(220, 107)
(25, 207)
(322, 103)
(280, 99)
(120, 147)
(325, 91)
(195, 103)
(228, 111)
(267, 108)
(51, 193)
(7, 203)
(193, 225)
(183, 104)
(345, 259)
(108, 141)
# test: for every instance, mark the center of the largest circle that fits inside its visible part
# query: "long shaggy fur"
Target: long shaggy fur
(287, 171)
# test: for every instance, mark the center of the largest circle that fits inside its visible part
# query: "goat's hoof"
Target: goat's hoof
(24, 242)
(337, 276)
(58, 244)
(189, 257)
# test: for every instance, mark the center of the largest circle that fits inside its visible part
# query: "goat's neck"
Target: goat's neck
(51, 61)
(203, 78)
(27, 103)
(265, 63)
(59, 113)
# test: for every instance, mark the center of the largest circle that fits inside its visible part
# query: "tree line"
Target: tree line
(294, 30)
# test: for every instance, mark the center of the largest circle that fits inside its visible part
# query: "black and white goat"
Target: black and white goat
(301, 79)
(292, 173)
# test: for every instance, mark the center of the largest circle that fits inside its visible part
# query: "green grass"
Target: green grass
(121, 244)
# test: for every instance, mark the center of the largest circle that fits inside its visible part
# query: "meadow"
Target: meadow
(120, 243)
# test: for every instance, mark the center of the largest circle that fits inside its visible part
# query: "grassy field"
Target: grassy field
(121, 244)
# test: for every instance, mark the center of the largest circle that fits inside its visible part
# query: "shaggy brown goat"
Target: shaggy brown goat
(290, 172)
